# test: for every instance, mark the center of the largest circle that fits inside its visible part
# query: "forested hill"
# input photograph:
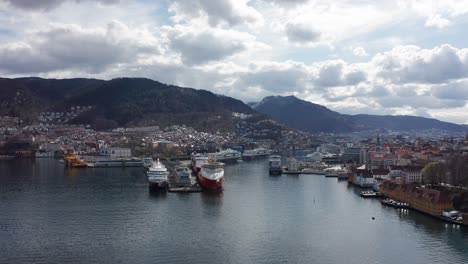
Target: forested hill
(118, 102)
(307, 116)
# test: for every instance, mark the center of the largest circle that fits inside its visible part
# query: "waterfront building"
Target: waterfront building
(430, 201)
(363, 178)
(116, 153)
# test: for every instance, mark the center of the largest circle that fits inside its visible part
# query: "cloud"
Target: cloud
(360, 52)
(457, 90)
(411, 64)
(61, 47)
(338, 73)
(437, 21)
(230, 12)
(44, 5)
(302, 34)
(288, 3)
(198, 45)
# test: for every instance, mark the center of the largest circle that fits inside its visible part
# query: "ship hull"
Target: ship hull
(210, 185)
(158, 186)
(275, 171)
(229, 161)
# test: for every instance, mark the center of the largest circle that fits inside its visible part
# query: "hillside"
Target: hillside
(310, 117)
(119, 102)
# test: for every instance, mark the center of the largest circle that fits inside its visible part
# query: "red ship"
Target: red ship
(211, 176)
(197, 162)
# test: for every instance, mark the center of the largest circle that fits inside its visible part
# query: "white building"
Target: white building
(116, 153)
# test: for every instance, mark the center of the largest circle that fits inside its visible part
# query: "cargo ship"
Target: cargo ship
(157, 176)
(211, 176)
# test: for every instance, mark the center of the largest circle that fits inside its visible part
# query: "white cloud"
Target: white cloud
(230, 12)
(437, 21)
(360, 52)
(62, 47)
(411, 64)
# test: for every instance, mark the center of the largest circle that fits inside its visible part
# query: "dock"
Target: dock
(192, 189)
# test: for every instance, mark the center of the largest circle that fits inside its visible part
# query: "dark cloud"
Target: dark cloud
(50, 4)
(302, 34)
(453, 91)
(332, 73)
(206, 46)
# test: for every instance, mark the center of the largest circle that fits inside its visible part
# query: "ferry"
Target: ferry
(211, 176)
(226, 156)
(157, 176)
(104, 163)
(256, 153)
(274, 164)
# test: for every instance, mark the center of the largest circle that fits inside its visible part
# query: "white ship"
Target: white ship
(157, 175)
(256, 153)
(226, 156)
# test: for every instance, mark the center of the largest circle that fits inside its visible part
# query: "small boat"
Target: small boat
(393, 203)
(369, 194)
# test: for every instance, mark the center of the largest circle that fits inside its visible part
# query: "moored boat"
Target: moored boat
(184, 176)
(211, 176)
(274, 164)
(157, 176)
(197, 161)
(226, 156)
(255, 153)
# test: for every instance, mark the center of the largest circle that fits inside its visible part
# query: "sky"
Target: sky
(362, 56)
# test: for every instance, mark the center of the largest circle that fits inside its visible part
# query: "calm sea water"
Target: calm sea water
(52, 215)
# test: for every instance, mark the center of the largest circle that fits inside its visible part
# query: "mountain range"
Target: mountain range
(139, 102)
(310, 117)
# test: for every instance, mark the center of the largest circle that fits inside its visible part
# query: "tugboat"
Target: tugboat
(157, 176)
(211, 176)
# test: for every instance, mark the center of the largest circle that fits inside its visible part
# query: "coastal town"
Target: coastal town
(423, 170)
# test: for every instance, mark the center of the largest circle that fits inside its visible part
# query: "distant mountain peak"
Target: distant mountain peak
(307, 116)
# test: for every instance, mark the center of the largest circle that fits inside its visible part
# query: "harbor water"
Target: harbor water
(52, 215)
